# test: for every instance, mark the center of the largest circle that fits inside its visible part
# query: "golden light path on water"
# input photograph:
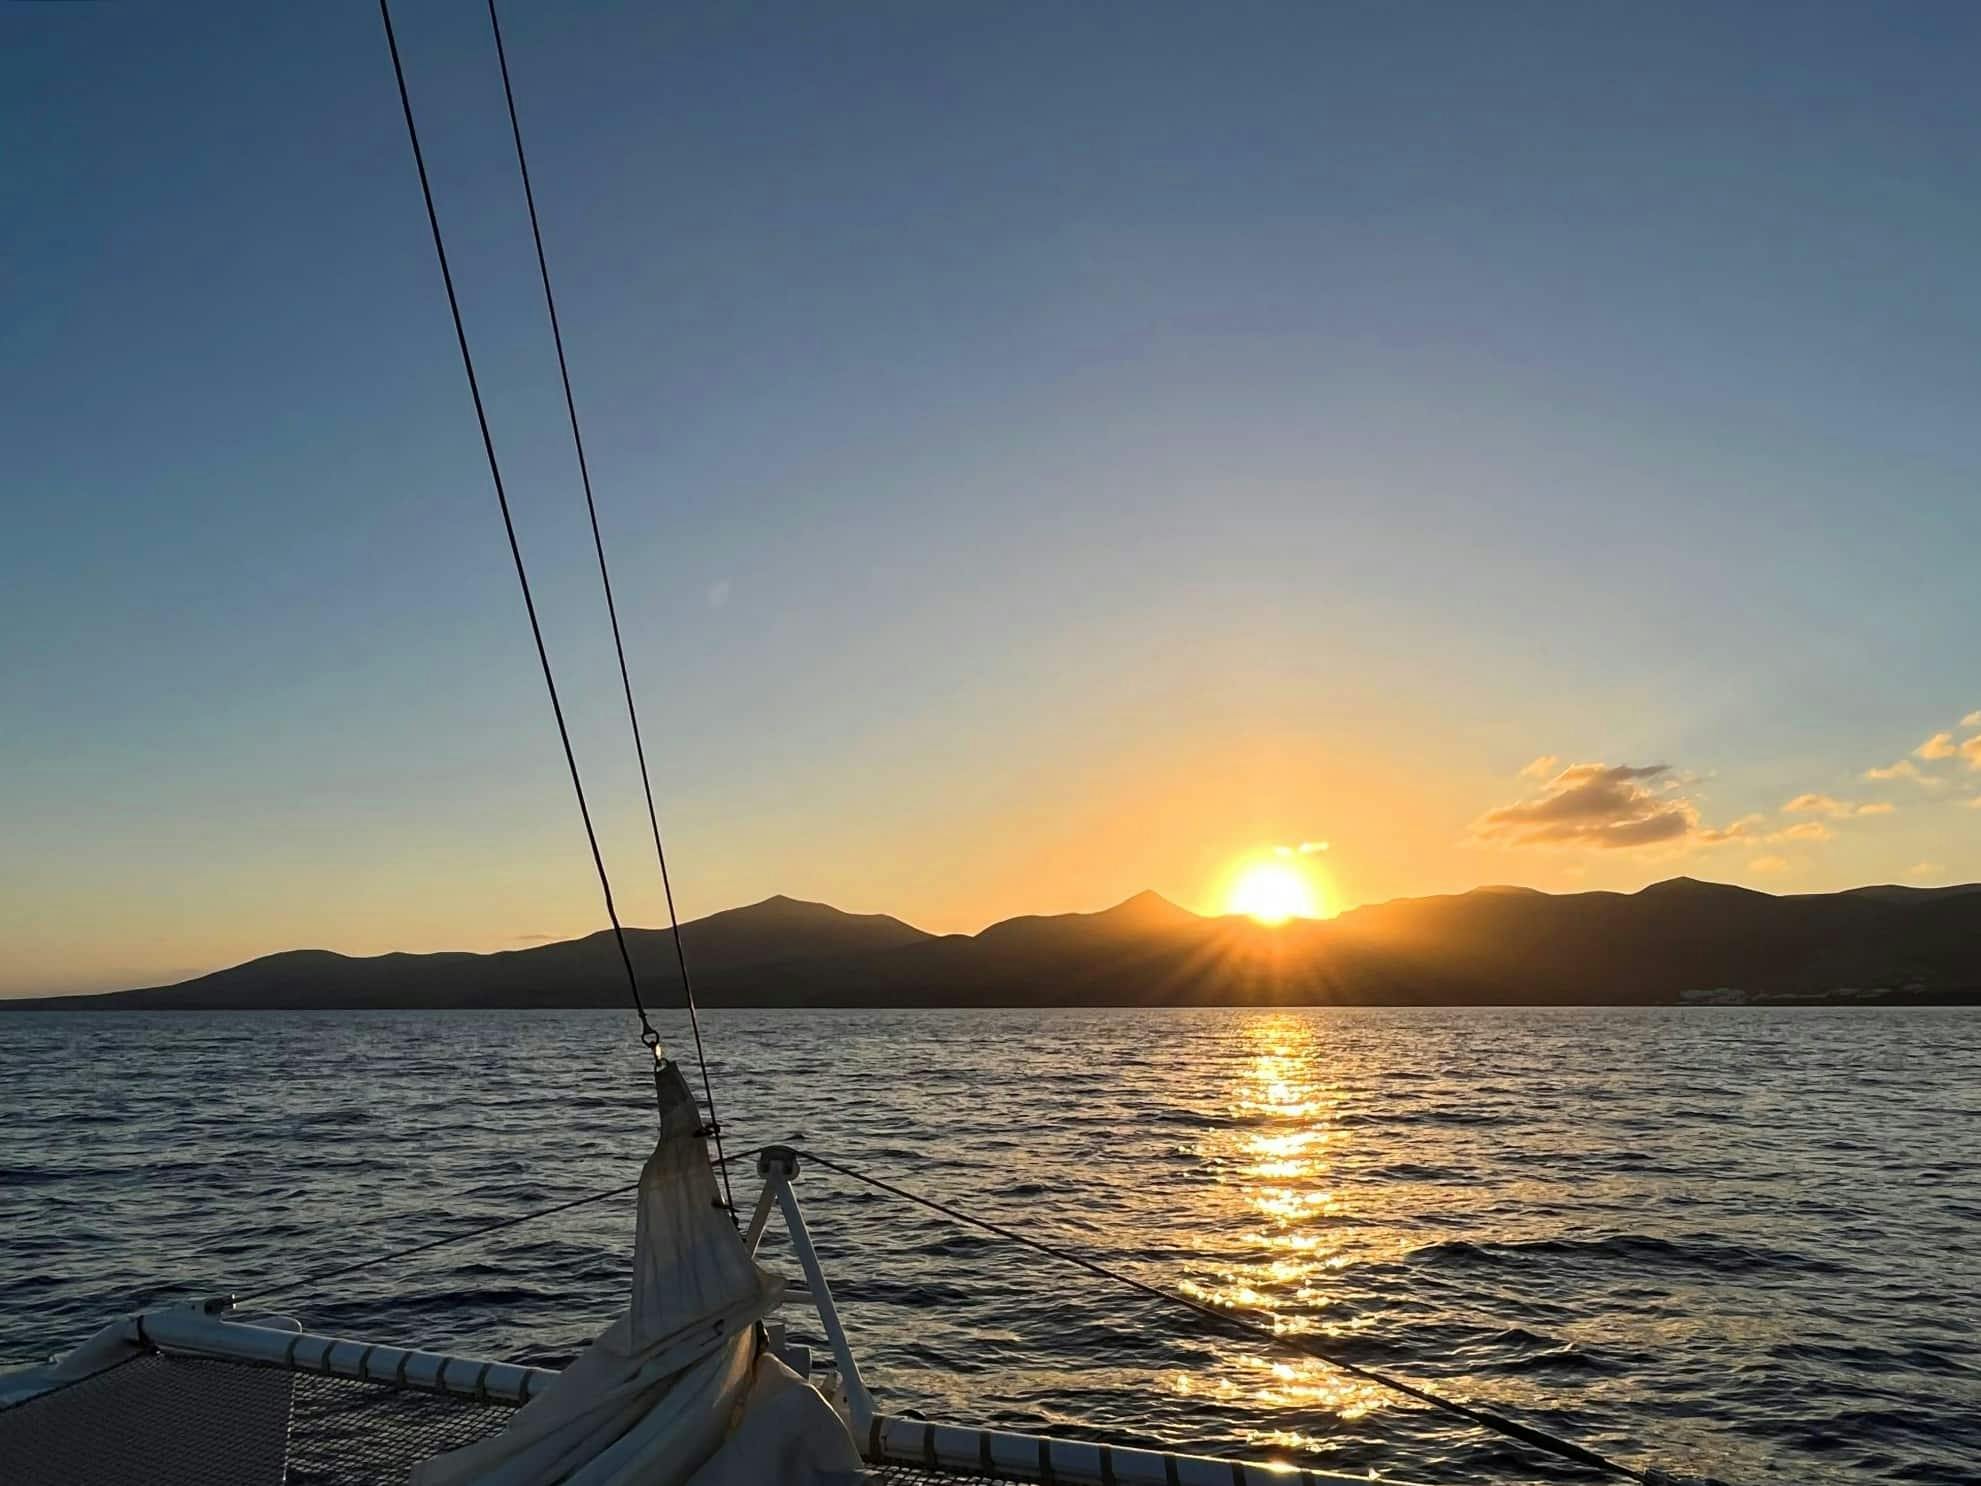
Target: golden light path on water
(1686, 1237)
(1279, 1148)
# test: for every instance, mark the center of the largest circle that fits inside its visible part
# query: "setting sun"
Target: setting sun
(1272, 893)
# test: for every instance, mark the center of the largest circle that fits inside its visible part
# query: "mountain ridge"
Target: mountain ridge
(1671, 941)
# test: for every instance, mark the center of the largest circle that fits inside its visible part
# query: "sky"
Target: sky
(1045, 451)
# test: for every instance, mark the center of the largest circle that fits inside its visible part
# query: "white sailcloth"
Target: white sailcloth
(676, 1390)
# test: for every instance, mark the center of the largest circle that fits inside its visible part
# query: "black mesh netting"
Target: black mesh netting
(344, 1432)
(182, 1421)
(174, 1420)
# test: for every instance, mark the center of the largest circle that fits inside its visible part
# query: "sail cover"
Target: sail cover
(678, 1390)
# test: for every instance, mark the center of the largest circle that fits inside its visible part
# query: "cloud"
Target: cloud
(535, 939)
(1542, 767)
(1834, 808)
(1973, 802)
(1768, 864)
(1618, 806)
(718, 593)
(1940, 746)
(1925, 869)
(1304, 849)
(1747, 828)
(1905, 768)
(1611, 806)
(1755, 828)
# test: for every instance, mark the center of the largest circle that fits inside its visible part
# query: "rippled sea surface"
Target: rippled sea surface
(1738, 1241)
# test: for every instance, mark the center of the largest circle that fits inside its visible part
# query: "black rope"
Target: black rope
(647, 1034)
(611, 608)
(1485, 1418)
(312, 1281)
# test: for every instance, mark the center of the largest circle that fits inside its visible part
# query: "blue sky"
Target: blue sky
(1046, 452)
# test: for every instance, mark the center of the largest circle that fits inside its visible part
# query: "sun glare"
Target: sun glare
(1272, 893)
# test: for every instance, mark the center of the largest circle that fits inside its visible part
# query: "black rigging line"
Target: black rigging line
(647, 1034)
(1486, 1418)
(1498, 1423)
(318, 1280)
(611, 609)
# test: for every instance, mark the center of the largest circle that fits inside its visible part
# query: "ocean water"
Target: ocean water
(1741, 1241)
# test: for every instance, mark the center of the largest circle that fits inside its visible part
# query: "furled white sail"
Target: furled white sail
(678, 1391)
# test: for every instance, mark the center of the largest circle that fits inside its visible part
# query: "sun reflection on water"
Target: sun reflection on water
(1286, 1385)
(1278, 1154)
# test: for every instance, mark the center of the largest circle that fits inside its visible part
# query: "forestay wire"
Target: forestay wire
(648, 1034)
(611, 608)
(1484, 1418)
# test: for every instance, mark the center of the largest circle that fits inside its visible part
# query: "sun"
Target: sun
(1272, 893)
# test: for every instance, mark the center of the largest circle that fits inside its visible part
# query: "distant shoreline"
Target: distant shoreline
(1676, 943)
(63, 1006)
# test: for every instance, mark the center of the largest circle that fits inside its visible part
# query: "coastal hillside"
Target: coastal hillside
(1676, 941)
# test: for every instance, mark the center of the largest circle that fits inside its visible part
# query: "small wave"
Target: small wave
(954, 1246)
(1634, 1249)
(36, 1176)
(1418, 1171)
(1441, 1118)
(1557, 1360)
(892, 1292)
(340, 1115)
(1864, 1357)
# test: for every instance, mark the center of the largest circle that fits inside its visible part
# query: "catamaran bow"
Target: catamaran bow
(682, 1389)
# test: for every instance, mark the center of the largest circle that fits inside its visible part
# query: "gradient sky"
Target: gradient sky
(1047, 451)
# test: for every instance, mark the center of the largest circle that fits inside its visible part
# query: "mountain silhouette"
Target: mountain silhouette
(1682, 939)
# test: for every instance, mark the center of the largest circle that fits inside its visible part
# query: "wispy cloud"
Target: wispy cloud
(1806, 830)
(1905, 768)
(1542, 767)
(1747, 828)
(1611, 806)
(1938, 748)
(535, 939)
(1926, 869)
(1768, 864)
(1304, 849)
(1834, 808)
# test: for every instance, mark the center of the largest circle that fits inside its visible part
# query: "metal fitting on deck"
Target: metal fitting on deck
(781, 1159)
